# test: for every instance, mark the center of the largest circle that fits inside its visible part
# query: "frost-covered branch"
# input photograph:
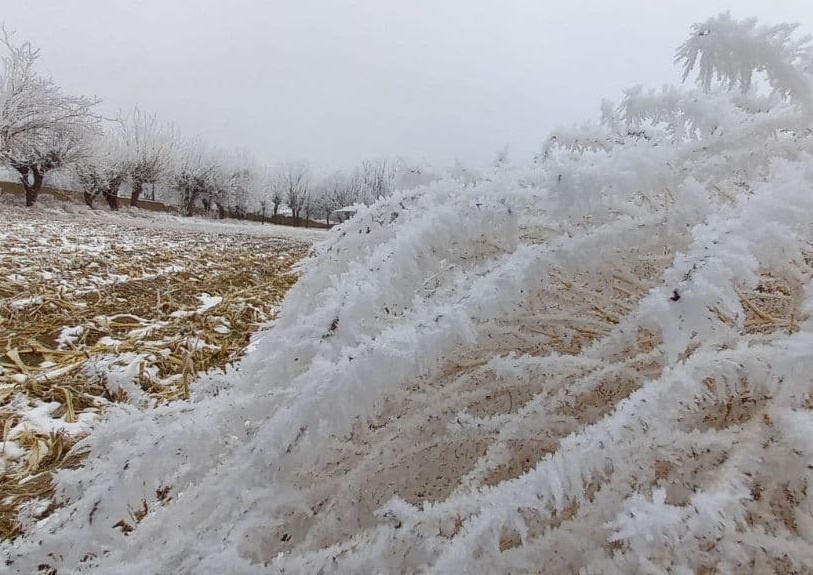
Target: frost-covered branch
(732, 51)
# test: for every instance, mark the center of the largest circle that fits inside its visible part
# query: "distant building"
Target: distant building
(344, 214)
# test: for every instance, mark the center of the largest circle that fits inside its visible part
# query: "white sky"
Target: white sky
(338, 81)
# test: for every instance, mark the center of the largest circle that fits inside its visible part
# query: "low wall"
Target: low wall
(281, 220)
(16, 189)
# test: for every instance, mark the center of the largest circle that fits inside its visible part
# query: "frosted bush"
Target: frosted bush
(600, 363)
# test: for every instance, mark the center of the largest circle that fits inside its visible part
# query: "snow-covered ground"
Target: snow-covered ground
(98, 308)
(600, 363)
(143, 219)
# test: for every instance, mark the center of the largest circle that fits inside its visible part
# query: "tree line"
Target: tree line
(44, 132)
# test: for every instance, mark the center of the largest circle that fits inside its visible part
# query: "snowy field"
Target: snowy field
(98, 307)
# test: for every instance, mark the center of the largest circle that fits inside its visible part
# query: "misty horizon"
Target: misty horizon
(336, 84)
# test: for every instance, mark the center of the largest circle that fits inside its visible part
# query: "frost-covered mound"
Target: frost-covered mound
(601, 363)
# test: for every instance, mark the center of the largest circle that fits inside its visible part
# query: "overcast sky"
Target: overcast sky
(338, 81)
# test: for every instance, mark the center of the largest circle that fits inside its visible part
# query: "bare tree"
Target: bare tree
(41, 129)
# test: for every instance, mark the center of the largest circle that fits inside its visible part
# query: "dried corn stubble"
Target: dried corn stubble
(87, 318)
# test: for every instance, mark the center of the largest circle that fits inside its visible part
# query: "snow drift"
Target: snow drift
(597, 363)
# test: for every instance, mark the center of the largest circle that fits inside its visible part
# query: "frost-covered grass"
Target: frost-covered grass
(101, 308)
(600, 363)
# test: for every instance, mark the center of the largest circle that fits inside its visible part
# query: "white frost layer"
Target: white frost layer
(437, 334)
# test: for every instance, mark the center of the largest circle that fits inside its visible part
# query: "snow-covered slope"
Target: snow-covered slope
(598, 363)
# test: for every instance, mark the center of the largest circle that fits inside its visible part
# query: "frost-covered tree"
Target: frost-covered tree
(369, 182)
(104, 168)
(41, 128)
(333, 192)
(262, 181)
(373, 180)
(197, 176)
(292, 184)
(241, 190)
(149, 146)
(244, 180)
(596, 364)
(276, 186)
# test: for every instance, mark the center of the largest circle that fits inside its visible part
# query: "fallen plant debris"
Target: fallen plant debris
(93, 312)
